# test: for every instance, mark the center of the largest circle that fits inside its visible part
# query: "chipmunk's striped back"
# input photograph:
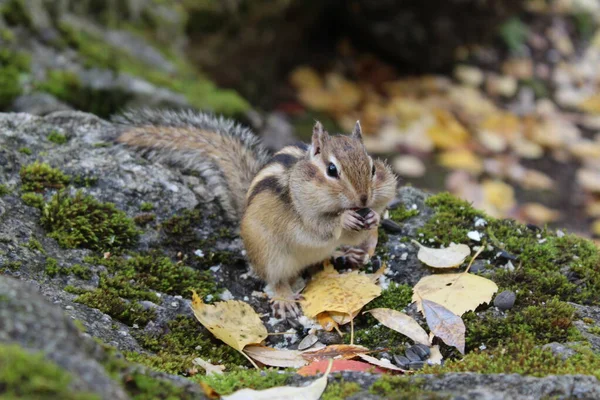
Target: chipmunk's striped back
(274, 175)
(227, 155)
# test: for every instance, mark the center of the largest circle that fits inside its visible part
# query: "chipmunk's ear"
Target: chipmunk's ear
(319, 137)
(357, 131)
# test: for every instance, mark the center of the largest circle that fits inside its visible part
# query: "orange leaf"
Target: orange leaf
(319, 367)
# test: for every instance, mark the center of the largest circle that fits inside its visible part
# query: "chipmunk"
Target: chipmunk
(295, 208)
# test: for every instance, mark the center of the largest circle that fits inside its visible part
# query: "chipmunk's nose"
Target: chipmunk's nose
(364, 198)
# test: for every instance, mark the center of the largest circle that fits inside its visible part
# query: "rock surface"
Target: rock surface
(36, 310)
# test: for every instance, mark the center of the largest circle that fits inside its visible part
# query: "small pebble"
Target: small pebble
(412, 355)
(422, 351)
(416, 365)
(401, 361)
(506, 255)
(390, 226)
(505, 300)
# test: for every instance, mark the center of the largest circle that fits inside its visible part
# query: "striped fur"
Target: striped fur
(227, 155)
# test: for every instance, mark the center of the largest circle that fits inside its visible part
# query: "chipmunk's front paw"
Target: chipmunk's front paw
(371, 220)
(355, 256)
(352, 221)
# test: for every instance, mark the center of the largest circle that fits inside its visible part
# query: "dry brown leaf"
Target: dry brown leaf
(459, 293)
(449, 257)
(445, 324)
(208, 367)
(310, 392)
(234, 322)
(345, 351)
(343, 293)
(402, 323)
(383, 363)
(275, 357)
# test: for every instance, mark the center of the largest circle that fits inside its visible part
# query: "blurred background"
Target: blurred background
(496, 101)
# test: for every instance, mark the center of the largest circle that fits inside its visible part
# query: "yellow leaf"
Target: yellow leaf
(591, 104)
(459, 293)
(589, 179)
(234, 322)
(462, 159)
(447, 132)
(344, 293)
(505, 124)
(593, 208)
(498, 197)
(538, 213)
(306, 78)
(596, 227)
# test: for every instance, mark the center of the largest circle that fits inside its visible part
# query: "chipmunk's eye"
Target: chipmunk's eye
(332, 170)
(373, 171)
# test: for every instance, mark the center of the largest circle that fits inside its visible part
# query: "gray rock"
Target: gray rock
(560, 350)
(505, 300)
(38, 104)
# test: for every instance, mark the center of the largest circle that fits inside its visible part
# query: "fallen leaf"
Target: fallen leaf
(498, 198)
(445, 324)
(596, 227)
(383, 363)
(447, 132)
(435, 357)
(461, 159)
(275, 357)
(327, 322)
(310, 392)
(318, 367)
(346, 351)
(449, 257)
(538, 214)
(402, 323)
(305, 78)
(589, 179)
(409, 166)
(344, 293)
(459, 293)
(234, 322)
(209, 391)
(208, 367)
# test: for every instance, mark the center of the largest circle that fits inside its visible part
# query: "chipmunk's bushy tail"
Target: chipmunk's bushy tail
(226, 155)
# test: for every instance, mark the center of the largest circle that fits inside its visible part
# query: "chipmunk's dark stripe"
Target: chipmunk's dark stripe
(300, 145)
(287, 160)
(270, 183)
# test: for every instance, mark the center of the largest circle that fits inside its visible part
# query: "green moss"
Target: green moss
(67, 86)
(109, 303)
(4, 190)
(514, 33)
(143, 387)
(396, 297)
(402, 388)
(164, 362)
(184, 337)
(12, 65)
(33, 199)
(340, 390)
(82, 221)
(199, 91)
(521, 354)
(253, 379)
(154, 272)
(38, 177)
(402, 213)
(180, 228)
(25, 150)
(31, 376)
(52, 268)
(145, 206)
(57, 137)
(144, 219)
(549, 322)
(10, 266)
(595, 330)
(15, 13)
(35, 245)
